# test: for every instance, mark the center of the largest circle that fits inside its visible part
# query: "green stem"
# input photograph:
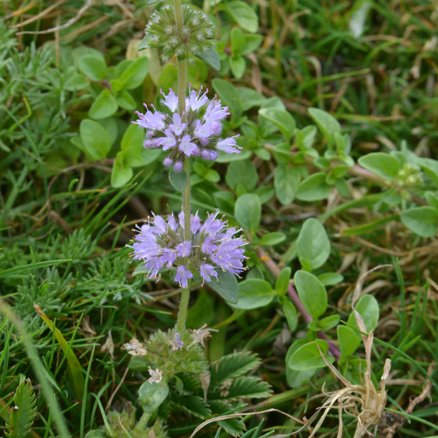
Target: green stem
(186, 207)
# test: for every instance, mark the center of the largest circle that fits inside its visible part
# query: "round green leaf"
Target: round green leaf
(281, 119)
(151, 395)
(286, 181)
(313, 188)
(247, 211)
(348, 339)
(381, 164)
(93, 67)
(368, 308)
(121, 172)
(254, 293)
(104, 106)
(308, 356)
(95, 139)
(311, 292)
(243, 15)
(313, 244)
(421, 220)
(226, 286)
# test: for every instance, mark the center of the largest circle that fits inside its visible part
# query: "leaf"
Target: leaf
(228, 94)
(95, 139)
(313, 244)
(291, 314)
(286, 182)
(281, 119)
(238, 65)
(247, 211)
(19, 424)
(311, 292)
(193, 404)
(126, 101)
(272, 239)
(105, 105)
(381, 164)
(177, 179)
(135, 154)
(421, 220)
(73, 364)
(211, 58)
(93, 67)
(243, 15)
(121, 172)
(226, 286)
(283, 280)
(237, 38)
(368, 308)
(308, 356)
(134, 74)
(152, 395)
(330, 278)
(313, 188)
(326, 123)
(234, 365)
(254, 293)
(248, 387)
(243, 173)
(348, 339)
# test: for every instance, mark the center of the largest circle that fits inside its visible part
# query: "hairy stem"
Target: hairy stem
(293, 295)
(186, 207)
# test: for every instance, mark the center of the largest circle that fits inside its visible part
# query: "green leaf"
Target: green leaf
(93, 67)
(312, 293)
(233, 365)
(282, 282)
(348, 339)
(121, 172)
(134, 75)
(368, 308)
(328, 322)
(254, 293)
(177, 180)
(247, 211)
(252, 43)
(226, 286)
(313, 244)
(381, 164)
(281, 119)
(330, 278)
(19, 424)
(238, 65)
(313, 188)
(291, 314)
(95, 139)
(126, 101)
(242, 172)
(248, 387)
(151, 395)
(326, 123)
(421, 220)
(308, 356)
(238, 41)
(104, 106)
(272, 239)
(228, 94)
(243, 15)
(286, 182)
(211, 58)
(134, 153)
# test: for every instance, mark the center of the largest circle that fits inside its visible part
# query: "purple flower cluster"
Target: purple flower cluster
(197, 134)
(160, 244)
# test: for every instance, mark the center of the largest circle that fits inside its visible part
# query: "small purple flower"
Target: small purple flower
(197, 135)
(161, 245)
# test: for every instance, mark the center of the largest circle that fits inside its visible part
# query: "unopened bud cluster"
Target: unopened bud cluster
(194, 38)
